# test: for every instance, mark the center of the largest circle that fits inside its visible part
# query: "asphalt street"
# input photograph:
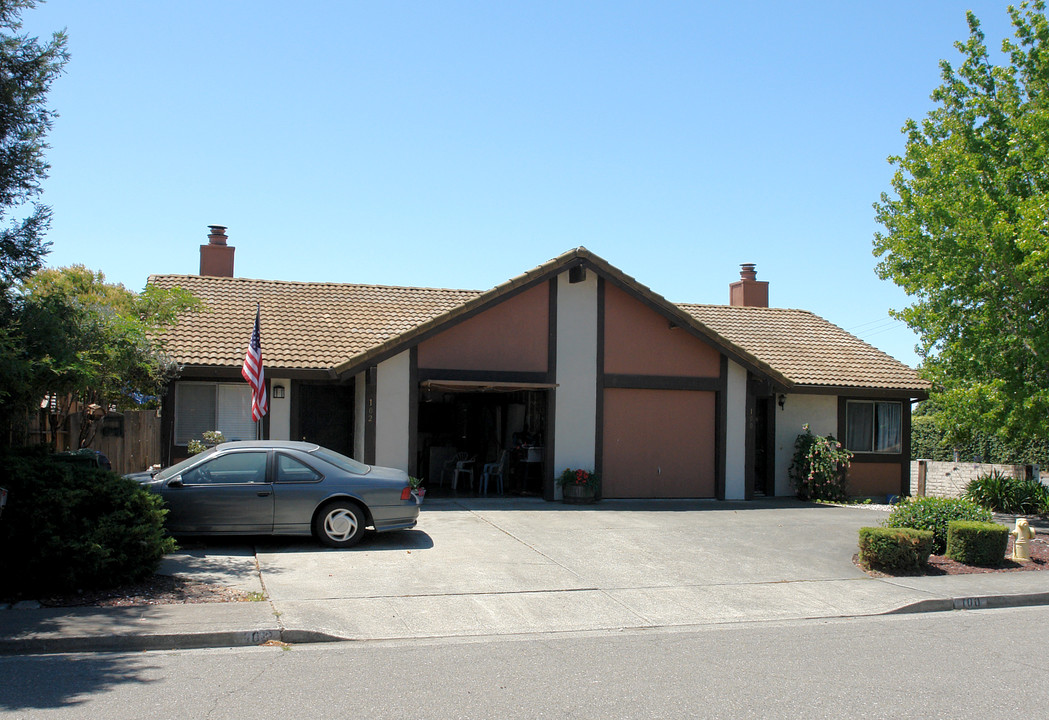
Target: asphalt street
(982, 664)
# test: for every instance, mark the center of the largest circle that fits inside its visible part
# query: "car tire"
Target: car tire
(339, 524)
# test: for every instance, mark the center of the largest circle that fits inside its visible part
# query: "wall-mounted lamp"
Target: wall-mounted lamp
(782, 399)
(278, 391)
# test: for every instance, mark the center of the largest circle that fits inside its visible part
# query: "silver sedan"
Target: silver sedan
(283, 488)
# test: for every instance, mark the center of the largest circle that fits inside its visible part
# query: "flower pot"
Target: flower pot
(579, 494)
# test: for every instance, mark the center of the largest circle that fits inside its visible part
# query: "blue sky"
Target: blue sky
(458, 144)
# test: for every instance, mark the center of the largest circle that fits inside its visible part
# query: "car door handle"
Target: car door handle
(263, 493)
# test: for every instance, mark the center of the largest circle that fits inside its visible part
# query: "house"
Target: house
(572, 364)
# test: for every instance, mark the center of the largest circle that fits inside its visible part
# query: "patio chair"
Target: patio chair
(463, 467)
(494, 470)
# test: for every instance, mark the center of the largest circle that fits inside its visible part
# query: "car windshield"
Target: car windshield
(341, 461)
(179, 467)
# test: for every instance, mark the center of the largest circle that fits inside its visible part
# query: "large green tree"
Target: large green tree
(91, 345)
(967, 234)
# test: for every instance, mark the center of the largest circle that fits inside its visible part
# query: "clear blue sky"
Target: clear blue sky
(453, 144)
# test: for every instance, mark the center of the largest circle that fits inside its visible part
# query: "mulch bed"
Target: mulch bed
(158, 590)
(943, 565)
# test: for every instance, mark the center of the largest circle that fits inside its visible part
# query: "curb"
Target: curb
(975, 602)
(180, 641)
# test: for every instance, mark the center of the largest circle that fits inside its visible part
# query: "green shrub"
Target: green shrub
(820, 467)
(67, 527)
(894, 548)
(929, 513)
(977, 543)
(1004, 493)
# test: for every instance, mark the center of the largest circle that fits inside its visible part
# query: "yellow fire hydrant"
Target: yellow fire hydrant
(1022, 535)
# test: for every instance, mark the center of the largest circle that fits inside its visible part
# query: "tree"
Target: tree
(967, 234)
(27, 69)
(92, 344)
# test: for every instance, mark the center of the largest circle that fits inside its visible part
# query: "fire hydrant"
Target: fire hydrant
(1022, 535)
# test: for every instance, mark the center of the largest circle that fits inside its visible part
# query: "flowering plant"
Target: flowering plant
(579, 478)
(820, 467)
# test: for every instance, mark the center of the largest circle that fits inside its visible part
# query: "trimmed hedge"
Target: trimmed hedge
(930, 513)
(977, 543)
(68, 527)
(895, 548)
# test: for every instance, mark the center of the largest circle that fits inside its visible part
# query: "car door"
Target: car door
(230, 493)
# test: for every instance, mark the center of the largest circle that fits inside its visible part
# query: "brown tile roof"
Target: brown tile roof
(304, 325)
(339, 327)
(807, 349)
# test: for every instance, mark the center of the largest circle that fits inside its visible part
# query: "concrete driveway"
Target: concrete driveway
(481, 566)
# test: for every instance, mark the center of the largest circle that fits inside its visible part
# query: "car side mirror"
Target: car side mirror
(175, 482)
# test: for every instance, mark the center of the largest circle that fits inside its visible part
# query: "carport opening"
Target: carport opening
(481, 422)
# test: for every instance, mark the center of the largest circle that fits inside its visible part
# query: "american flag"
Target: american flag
(253, 373)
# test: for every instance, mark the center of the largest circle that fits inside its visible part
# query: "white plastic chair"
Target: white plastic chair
(494, 470)
(464, 467)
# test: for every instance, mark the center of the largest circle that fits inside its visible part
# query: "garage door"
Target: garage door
(658, 444)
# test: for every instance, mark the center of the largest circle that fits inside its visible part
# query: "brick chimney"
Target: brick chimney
(216, 258)
(748, 291)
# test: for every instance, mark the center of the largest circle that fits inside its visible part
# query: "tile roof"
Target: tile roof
(807, 349)
(333, 326)
(304, 325)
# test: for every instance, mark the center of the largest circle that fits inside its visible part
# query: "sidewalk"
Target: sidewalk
(499, 567)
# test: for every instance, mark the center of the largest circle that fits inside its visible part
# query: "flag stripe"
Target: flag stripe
(253, 372)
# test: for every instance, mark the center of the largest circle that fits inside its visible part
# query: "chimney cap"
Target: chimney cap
(748, 271)
(217, 236)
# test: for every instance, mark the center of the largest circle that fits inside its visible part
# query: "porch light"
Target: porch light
(278, 391)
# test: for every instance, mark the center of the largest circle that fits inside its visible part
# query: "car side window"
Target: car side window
(291, 470)
(233, 468)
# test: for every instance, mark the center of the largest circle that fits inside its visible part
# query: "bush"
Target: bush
(68, 527)
(977, 543)
(929, 513)
(894, 548)
(820, 467)
(1004, 493)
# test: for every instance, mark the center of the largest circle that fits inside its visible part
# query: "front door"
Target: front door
(325, 416)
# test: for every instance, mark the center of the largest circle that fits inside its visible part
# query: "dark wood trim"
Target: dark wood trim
(370, 392)
(205, 372)
(494, 376)
(440, 328)
(294, 429)
(749, 439)
(662, 382)
(599, 419)
(413, 410)
(167, 425)
(720, 430)
(855, 393)
(551, 395)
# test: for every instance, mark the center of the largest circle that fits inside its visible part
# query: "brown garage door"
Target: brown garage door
(658, 444)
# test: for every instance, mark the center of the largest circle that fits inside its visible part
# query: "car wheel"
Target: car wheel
(339, 524)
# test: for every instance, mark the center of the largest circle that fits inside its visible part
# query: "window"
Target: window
(225, 407)
(291, 470)
(234, 468)
(874, 427)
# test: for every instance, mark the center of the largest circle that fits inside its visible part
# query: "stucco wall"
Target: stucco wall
(575, 433)
(736, 433)
(392, 412)
(820, 412)
(280, 410)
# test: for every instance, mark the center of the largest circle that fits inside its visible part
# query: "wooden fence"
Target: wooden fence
(131, 440)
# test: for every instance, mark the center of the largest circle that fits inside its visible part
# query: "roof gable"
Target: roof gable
(342, 328)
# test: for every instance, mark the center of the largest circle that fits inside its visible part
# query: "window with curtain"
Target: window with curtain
(203, 406)
(874, 427)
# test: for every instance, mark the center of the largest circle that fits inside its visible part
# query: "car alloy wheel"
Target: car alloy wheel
(339, 524)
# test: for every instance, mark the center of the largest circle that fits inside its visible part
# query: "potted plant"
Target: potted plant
(579, 486)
